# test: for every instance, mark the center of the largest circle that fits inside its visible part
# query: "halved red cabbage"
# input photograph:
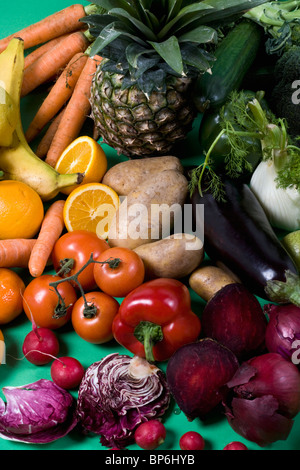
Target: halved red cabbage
(37, 413)
(117, 394)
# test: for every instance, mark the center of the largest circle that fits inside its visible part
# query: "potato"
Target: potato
(206, 281)
(175, 256)
(126, 176)
(150, 212)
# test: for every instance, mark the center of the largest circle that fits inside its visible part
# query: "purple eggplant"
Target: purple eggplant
(238, 235)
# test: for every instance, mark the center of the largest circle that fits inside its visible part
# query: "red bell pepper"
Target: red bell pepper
(155, 319)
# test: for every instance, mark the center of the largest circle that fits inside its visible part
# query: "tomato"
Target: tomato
(11, 291)
(78, 246)
(119, 281)
(96, 326)
(40, 301)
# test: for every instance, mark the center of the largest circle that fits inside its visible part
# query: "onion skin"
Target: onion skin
(234, 318)
(283, 329)
(197, 374)
(264, 399)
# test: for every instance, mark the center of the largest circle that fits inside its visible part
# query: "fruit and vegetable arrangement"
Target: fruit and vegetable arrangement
(150, 299)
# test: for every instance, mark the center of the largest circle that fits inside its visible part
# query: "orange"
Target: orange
(2, 348)
(11, 292)
(83, 155)
(21, 210)
(91, 207)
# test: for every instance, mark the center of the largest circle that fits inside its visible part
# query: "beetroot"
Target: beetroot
(197, 374)
(234, 318)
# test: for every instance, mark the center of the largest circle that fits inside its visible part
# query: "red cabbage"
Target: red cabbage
(117, 394)
(37, 413)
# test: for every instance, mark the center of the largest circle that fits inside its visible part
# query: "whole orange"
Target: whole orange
(11, 291)
(21, 210)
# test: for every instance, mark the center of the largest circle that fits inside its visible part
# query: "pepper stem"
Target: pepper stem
(149, 334)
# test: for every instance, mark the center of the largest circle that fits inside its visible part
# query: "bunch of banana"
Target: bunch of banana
(17, 160)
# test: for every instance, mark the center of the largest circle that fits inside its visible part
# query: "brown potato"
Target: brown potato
(174, 257)
(206, 281)
(126, 176)
(150, 211)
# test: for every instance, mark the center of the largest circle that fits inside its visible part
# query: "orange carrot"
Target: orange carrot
(49, 63)
(51, 229)
(58, 96)
(60, 22)
(75, 113)
(39, 51)
(45, 142)
(15, 253)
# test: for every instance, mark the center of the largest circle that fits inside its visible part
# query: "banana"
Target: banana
(17, 159)
(8, 118)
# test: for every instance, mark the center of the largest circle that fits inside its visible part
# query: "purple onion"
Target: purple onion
(264, 398)
(283, 330)
(235, 318)
(197, 374)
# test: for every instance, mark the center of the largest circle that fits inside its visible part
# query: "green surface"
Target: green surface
(17, 371)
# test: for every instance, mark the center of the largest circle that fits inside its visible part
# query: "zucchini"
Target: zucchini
(234, 56)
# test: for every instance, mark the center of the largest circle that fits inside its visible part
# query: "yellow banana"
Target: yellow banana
(17, 159)
(8, 118)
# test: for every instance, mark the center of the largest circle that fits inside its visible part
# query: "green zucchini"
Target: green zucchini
(234, 56)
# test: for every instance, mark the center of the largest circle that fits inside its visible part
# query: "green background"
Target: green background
(17, 371)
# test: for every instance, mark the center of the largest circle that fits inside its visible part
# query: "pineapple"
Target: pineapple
(153, 50)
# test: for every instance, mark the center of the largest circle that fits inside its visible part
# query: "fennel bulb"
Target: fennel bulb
(281, 205)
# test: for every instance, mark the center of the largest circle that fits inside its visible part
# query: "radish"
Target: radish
(191, 440)
(150, 434)
(235, 445)
(40, 346)
(67, 372)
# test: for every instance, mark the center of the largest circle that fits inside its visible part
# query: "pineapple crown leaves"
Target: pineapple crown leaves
(146, 40)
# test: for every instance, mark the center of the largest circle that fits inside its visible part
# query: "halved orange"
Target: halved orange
(91, 207)
(83, 155)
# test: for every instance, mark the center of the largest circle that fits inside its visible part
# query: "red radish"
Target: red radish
(40, 346)
(235, 445)
(150, 434)
(191, 440)
(67, 372)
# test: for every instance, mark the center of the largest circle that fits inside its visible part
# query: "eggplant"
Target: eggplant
(238, 234)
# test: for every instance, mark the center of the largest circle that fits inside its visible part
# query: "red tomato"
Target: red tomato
(40, 301)
(78, 245)
(121, 280)
(95, 327)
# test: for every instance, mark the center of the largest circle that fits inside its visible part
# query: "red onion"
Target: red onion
(264, 399)
(235, 318)
(283, 330)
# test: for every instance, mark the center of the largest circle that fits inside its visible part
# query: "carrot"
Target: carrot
(49, 63)
(39, 51)
(45, 142)
(15, 253)
(75, 113)
(57, 24)
(58, 96)
(51, 229)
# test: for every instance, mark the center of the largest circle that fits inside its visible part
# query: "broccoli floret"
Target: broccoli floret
(283, 104)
